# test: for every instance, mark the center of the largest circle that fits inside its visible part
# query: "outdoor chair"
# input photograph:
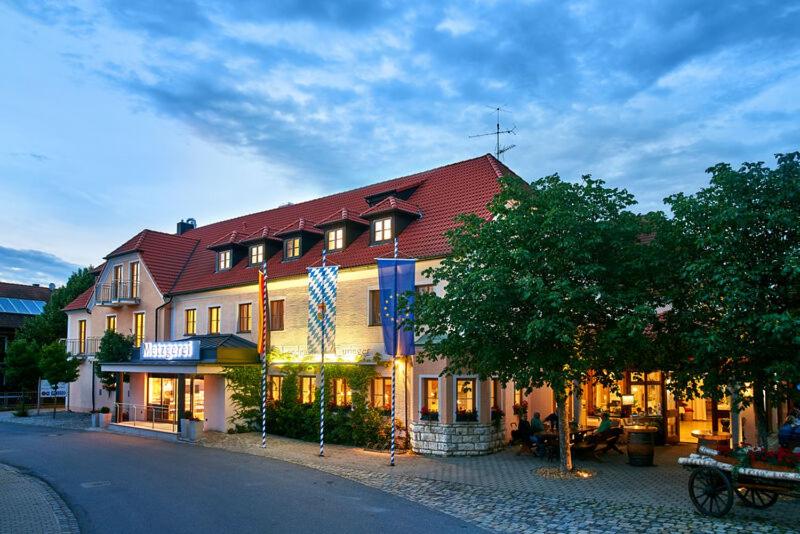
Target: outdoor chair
(609, 439)
(522, 435)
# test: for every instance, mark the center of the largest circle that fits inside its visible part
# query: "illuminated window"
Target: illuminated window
(431, 392)
(82, 336)
(223, 260)
(138, 329)
(117, 284)
(374, 307)
(256, 254)
(382, 230)
(335, 239)
(245, 317)
(465, 395)
(291, 248)
(213, 320)
(381, 392)
(342, 395)
(308, 389)
(111, 323)
(190, 322)
(135, 280)
(494, 394)
(274, 387)
(276, 315)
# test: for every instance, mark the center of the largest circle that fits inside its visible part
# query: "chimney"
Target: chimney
(35, 285)
(185, 226)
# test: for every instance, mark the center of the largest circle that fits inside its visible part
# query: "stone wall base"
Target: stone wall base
(456, 439)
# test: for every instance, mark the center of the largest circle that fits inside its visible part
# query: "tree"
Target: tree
(545, 292)
(22, 364)
(114, 347)
(736, 302)
(51, 324)
(57, 366)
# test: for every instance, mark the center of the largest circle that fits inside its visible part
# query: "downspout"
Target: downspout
(159, 309)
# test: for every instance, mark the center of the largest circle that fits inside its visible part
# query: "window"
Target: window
(519, 396)
(274, 387)
(342, 395)
(308, 389)
(116, 286)
(335, 239)
(190, 322)
(256, 254)
(213, 320)
(494, 394)
(465, 396)
(111, 323)
(138, 329)
(374, 307)
(424, 288)
(223, 260)
(134, 279)
(291, 248)
(276, 315)
(82, 336)
(381, 393)
(431, 391)
(382, 230)
(245, 317)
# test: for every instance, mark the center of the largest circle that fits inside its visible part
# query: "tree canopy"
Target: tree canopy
(22, 364)
(57, 366)
(114, 347)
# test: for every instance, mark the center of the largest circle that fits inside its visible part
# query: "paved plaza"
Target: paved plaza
(29, 505)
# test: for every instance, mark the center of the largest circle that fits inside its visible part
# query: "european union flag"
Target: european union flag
(396, 278)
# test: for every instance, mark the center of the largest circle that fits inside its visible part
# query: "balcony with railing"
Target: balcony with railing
(117, 293)
(85, 347)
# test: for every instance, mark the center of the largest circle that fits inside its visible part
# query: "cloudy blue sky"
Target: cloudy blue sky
(116, 116)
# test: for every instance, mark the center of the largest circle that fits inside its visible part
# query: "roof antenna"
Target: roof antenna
(498, 132)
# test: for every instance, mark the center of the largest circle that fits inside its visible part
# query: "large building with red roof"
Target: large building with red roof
(199, 285)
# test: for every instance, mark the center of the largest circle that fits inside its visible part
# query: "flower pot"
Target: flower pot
(191, 430)
(104, 419)
(95, 420)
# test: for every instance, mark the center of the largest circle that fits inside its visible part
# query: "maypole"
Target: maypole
(264, 336)
(394, 367)
(321, 316)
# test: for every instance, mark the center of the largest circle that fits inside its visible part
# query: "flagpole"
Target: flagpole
(394, 362)
(264, 327)
(322, 377)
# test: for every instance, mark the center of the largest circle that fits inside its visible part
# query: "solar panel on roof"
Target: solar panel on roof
(21, 306)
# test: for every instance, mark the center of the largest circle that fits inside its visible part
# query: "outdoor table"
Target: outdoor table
(719, 441)
(641, 441)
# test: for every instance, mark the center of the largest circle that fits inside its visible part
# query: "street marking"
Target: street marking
(96, 484)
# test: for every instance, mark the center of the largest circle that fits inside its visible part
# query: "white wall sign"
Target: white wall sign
(171, 350)
(46, 391)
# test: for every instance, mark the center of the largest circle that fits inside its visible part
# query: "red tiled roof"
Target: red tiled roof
(300, 225)
(441, 194)
(259, 235)
(339, 216)
(81, 301)
(233, 238)
(392, 204)
(24, 291)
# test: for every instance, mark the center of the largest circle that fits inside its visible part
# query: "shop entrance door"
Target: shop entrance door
(194, 395)
(162, 398)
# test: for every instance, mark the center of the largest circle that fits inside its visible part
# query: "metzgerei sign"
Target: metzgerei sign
(171, 350)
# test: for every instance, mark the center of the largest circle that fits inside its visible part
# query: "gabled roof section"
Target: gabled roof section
(228, 240)
(24, 291)
(300, 225)
(390, 204)
(264, 233)
(81, 302)
(340, 216)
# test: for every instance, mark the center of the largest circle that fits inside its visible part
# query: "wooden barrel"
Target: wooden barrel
(641, 441)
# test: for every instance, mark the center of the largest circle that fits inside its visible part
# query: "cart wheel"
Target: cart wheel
(711, 491)
(757, 498)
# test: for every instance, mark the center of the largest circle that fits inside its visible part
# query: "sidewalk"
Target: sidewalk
(28, 505)
(63, 419)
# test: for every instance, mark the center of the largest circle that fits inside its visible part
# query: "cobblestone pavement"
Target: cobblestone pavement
(28, 505)
(70, 420)
(501, 492)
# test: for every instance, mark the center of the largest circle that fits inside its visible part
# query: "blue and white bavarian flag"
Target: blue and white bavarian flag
(322, 309)
(396, 278)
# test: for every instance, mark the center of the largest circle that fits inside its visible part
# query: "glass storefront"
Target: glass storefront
(162, 397)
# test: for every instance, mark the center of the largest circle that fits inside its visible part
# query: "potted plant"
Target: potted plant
(497, 417)
(191, 427)
(425, 414)
(104, 417)
(466, 416)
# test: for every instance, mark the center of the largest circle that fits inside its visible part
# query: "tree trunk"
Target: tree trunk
(576, 403)
(736, 435)
(565, 456)
(760, 410)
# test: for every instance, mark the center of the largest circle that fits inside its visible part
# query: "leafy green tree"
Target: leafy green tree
(57, 366)
(736, 302)
(51, 324)
(546, 291)
(114, 347)
(22, 364)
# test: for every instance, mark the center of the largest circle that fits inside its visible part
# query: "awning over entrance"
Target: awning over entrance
(207, 354)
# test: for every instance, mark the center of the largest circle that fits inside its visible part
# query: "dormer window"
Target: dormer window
(291, 248)
(257, 254)
(335, 239)
(223, 260)
(382, 230)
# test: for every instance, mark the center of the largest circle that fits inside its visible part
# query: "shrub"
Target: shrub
(105, 409)
(21, 410)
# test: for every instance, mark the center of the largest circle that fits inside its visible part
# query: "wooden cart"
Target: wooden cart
(714, 482)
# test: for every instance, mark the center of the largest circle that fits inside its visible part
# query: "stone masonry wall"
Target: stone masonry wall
(456, 439)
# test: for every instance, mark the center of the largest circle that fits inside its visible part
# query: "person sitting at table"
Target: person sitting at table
(605, 423)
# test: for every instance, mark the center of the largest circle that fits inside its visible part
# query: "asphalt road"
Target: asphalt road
(124, 484)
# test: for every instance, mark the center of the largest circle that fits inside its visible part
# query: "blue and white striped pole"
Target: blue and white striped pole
(394, 371)
(264, 327)
(322, 375)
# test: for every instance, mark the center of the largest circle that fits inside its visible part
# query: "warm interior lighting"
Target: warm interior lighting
(627, 400)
